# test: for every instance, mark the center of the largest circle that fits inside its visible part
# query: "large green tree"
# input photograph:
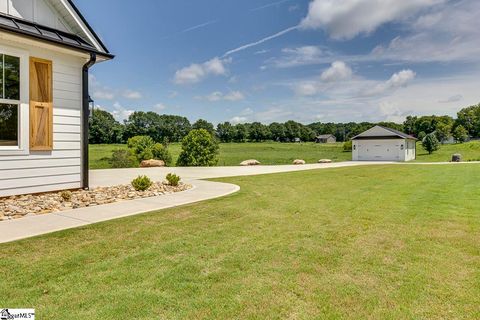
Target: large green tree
(469, 118)
(103, 128)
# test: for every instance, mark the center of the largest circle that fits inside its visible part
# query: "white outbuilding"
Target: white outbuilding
(383, 144)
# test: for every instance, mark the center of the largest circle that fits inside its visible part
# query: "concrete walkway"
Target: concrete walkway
(12, 230)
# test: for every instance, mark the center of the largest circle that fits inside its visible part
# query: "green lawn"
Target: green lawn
(231, 154)
(380, 242)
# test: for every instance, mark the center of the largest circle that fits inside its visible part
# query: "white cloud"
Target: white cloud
(338, 71)
(299, 56)
(454, 98)
(102, 94)
(345, 19)
(120, 113)
(238, 119)
(448, 33)
(130, 94)
(197, 72)
(219, 96)
(397, 80)
(234, 96)
(160, 106)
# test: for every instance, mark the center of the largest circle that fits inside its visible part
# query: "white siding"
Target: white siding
(61, 168)
(383, 150)
(39, 11)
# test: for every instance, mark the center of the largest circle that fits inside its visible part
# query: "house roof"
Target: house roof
(81, 36)
(387, 133)
(325, 136)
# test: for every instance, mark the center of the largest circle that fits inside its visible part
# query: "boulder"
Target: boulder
(251, 162)
(298, 162)
(325, 161)
(152, 163)
(457, 157)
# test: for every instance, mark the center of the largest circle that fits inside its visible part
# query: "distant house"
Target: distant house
(46, 50)
(326, 138)
(383, 144)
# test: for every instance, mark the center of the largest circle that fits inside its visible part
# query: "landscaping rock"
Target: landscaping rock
(25, 205)
(251, 162)
(298, 162)
(325, 161)
(152, 163)
(457, 157)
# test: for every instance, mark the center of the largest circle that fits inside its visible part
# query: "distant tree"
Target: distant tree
(307, 134)
(241, 133)
(204, 124)
(103, 128)
(392, 125)
(430, 143)
(469, 118)
(443, 132)
(225, 132)
(277, 131)
(199, 148)
(421, 135)
(409, 125)
(460, 134)
(292, 130)
(173, 128)
(142, 123)
(258, 132)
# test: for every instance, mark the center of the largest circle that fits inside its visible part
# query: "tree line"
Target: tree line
(171, 128)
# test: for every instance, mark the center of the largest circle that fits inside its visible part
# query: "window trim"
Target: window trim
(23, 104)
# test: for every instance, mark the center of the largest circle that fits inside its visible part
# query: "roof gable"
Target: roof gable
(382, 132)
(61, 15)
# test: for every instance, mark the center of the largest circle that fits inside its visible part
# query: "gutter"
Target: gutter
(85, 117)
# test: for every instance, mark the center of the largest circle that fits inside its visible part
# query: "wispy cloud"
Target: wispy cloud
(256, 43)
(198, 26)
(271, 4)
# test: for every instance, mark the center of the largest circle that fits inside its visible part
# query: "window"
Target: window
(9, 100)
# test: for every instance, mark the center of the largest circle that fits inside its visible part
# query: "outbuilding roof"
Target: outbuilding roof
(325, 136)
(381, 132)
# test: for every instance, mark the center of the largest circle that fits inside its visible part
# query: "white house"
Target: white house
(383, 144)
(46, 50)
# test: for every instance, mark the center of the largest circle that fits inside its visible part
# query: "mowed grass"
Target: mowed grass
(470, 151)
(379, 242)
(231, 154)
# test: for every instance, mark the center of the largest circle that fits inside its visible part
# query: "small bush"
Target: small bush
(141, 183)
(173, 179)
(123, 159)
(347, 146)
(160, 152)
(141, 147)
(66, 195)
(199, 148)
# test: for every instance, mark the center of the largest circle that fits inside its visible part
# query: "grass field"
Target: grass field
(231, 154)
(383, 242)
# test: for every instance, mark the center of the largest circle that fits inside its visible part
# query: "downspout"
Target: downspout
(85, 117)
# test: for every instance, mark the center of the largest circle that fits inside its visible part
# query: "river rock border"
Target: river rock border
(25, 205)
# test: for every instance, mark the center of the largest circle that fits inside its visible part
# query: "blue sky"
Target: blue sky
(274, 60)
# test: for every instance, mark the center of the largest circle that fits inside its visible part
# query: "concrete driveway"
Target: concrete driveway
(111, 177)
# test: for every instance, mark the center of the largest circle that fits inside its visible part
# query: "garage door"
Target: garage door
(378, 150)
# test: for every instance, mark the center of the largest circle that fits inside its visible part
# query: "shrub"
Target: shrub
(160, 152)
(66, 195)
(123, 159)
(430, 143)
(199, 148)
(347, 146)
(141, 147)
(173, 179)
(141, 183)
(460, 134)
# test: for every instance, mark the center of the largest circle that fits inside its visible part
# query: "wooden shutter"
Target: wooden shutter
(41, 105)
